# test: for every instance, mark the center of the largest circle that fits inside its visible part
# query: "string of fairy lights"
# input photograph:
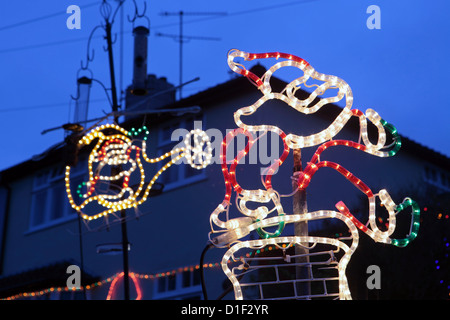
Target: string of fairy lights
(231, 231)
(112, 280)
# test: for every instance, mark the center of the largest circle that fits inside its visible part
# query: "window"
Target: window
(49, 203)
(437, 178)
(191, 278)
(170, 136)
(179, 285)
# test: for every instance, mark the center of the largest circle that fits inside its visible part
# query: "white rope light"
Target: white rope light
(196, 156)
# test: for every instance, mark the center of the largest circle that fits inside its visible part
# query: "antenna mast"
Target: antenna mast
(181, 38)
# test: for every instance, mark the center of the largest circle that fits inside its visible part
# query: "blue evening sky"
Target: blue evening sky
(400, 70)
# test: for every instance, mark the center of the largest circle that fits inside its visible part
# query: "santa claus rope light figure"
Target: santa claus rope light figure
(250, 271)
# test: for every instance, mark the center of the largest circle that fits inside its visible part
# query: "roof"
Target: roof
(208, 98)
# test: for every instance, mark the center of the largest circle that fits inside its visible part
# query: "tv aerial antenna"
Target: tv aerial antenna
(181, 38)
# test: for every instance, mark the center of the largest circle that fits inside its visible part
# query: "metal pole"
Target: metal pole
(300, 229)
(126, 279)
(181, 38)
(181, 53)
(115, 107)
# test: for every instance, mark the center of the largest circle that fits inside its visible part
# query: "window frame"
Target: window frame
(51, 179)
(180, 291)
(182, 178)
(437, 178)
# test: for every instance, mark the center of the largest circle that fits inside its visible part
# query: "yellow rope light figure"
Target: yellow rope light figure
(236, 266)
(115, 148)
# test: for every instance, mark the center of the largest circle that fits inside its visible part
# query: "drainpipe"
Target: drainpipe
(5, 196)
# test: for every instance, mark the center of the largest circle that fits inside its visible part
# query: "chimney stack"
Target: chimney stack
(82, 102)
(139, 87)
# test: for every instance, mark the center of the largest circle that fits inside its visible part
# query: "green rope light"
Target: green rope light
(395, 136)
(267, 235)
(415, 222)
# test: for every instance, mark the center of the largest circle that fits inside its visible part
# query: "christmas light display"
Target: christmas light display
(113, 283)
(230, 232)
(120, 276)
(116, 159)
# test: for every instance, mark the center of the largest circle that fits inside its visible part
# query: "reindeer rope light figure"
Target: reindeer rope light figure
(230, 233)
(116, 147)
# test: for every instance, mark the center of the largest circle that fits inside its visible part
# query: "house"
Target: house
(41, 235)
